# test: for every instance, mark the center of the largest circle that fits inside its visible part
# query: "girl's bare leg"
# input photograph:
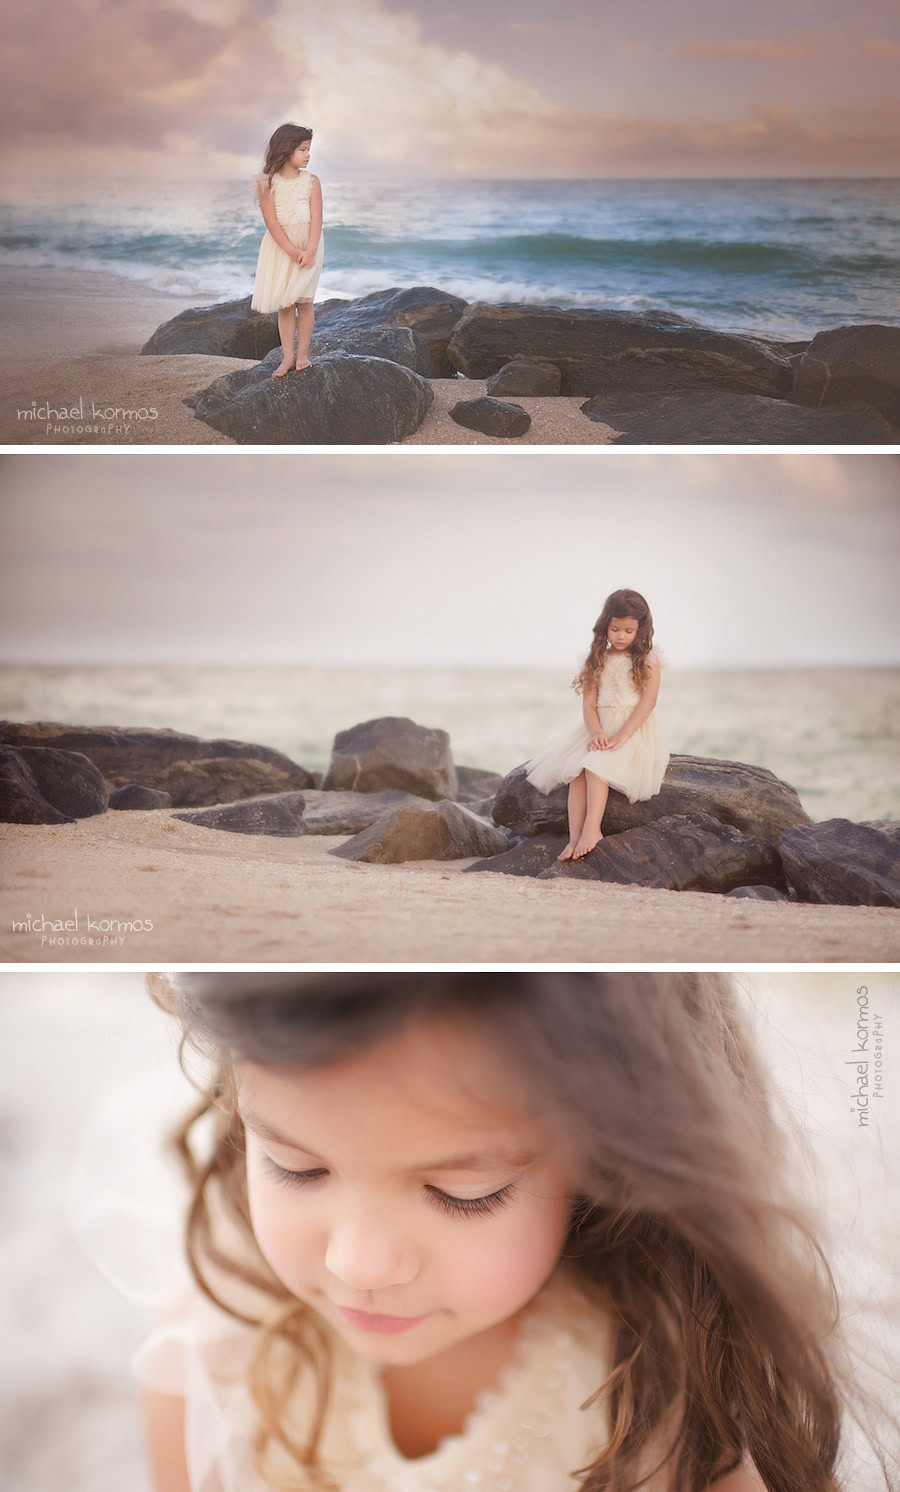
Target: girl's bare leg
(597, 794)
(287, 324)
(306, 315)
(577, 807)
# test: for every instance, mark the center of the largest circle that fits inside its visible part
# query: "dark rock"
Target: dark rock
(41, 785)
(229, 329)
(758, 893)
(687, 852)
(350, 813)
(751, 798)
(621, 351)
(338, 400)
(132, 795)
(398, 344)
(727, 418)
(279, 814)
(473, 784)
(843, 864)
(439, 831)
(130, 754)
(522, 379)
(392, 752)
(849, 364)
(431, 313)
(227, 779)
(491, 417)
(529, 858)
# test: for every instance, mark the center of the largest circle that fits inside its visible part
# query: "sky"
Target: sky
(617, 88)
(748, 560)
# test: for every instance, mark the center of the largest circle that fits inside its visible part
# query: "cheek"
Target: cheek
(511, 1261)
(284, 1231)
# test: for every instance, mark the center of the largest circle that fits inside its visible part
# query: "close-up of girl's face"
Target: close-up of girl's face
(300, 157)
(622, 631)
(408, 1193)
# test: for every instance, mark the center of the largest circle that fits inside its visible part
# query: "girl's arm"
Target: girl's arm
(272, 223)
(592, 719)
(642, 709)
(315, 224)
(164, 1430)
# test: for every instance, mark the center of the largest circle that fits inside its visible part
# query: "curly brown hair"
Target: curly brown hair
(623, 603)
(282, 146)
(685, 1224)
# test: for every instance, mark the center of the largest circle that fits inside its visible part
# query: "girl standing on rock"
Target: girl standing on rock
(620, 743)
(291, 252)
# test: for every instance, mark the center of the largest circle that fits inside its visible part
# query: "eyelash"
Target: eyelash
(454, 1206)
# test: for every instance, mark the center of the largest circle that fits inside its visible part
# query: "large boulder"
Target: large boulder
(145, 756)
(398, 344)
(726, 418)
(226, 779)
(40, 785)
(280, 814)
(134, 797)
(686, 852)
(751, 798)
(525, 380)
(529, 858)
(392, 752)
(339, 400)
(437, 831)
(621, 351)
(492, 417)
(474, 784)
(431, 313)
(852, 363)
(843, 864)
(350, 813)
(229, 329)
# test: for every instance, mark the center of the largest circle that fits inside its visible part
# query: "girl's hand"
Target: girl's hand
(614, 742)
(598, 742)
(305, 259)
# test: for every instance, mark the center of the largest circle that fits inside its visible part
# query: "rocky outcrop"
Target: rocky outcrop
(230, 329)
(727, 418)
(530, 858)
(852, 364)
(392, 752)
(280, 815)
(339, 400)
(431, 313)
(398, 344)
(134, 797)
(41, 785)
(474, 784)
(843, 864)
(226, 779)
(135, 754)
(625, 351)
(523, 380)
(751, 798)
(491, 417)
(350, 813)
(438, 831)
(686, 852)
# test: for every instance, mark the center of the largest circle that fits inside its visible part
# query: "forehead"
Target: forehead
(624, 621)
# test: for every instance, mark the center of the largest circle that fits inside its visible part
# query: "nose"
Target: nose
(367, 1254)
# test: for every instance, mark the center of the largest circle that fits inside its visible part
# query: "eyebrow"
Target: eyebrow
(473, 1160)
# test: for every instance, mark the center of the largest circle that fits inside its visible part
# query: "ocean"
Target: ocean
(777, 258)
(834, 734)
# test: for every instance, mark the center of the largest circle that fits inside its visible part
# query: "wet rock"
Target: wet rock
(751, 798)
(727, 418)
(41, 785)
(229, 329)
(521, 380)
(133, 796)
(491, 417)
(339, 400)
(392, 752)
(686, 852)
(849, 364)
(529, 858)
(431, 313)
(439, 831)
(279, 814)
(398, 344)
(350, 813)
(616, 351)
(843, 864)
(758, 893)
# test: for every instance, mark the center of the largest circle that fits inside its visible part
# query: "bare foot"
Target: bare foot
(303, 362)
(586, 843)
(568, 851)
(284, 366)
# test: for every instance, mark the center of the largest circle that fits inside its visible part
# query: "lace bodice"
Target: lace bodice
(290, 196)
(617, 688)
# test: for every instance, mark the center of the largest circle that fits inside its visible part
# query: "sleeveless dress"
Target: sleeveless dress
(636, 768)
(279, 280)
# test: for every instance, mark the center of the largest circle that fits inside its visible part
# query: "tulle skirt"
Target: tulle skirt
(636, 768)
(279, 279)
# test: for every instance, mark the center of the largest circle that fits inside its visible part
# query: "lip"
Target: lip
(386, 1325)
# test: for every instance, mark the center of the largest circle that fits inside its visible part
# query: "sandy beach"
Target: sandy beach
(72, 340)
(219, 897)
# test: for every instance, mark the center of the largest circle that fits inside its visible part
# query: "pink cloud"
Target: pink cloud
(882, 49)
(747, 51)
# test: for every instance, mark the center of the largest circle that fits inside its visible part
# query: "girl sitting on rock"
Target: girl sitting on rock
(291, 252)
(620, 743)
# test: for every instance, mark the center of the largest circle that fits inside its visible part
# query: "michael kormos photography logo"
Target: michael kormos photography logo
(87, 417)
(81, 930)
(866, 1058)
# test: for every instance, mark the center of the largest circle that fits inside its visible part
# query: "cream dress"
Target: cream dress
(636, 768)
(279, 279)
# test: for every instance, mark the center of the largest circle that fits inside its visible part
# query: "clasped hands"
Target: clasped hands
(602, 742)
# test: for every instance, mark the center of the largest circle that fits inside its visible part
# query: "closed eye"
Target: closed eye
(455, 1206)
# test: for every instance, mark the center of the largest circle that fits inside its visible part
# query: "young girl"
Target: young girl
(490, 1231)
(290, 255)
(620, 744)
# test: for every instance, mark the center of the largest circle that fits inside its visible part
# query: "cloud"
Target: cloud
(882, 49)
(747, 51)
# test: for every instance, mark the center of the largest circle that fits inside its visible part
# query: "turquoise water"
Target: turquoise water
(779, 258)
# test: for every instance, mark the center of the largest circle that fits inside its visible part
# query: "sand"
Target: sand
(219, 897)
(72, 339)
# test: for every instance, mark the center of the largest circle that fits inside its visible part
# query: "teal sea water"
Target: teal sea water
(778, 258)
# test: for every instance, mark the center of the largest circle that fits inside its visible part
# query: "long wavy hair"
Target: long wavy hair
(282, 146)
(685, 1223)
(619, 604)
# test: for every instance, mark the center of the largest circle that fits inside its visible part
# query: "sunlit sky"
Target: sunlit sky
(748, 560)
(582, 88)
